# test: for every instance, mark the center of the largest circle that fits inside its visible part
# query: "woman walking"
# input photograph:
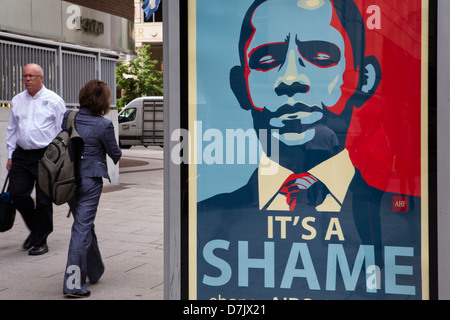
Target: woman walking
(84, 259)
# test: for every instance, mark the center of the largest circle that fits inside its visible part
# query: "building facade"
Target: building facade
(149, 31)
(74, 42)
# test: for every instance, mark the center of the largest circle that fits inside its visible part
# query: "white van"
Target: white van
(141, 123)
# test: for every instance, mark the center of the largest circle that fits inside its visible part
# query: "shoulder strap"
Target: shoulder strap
(71, 119)
(6, 182)
(70, 124)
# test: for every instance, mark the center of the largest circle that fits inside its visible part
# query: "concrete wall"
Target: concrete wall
(4, 117)
(60, 20)
(121, 8)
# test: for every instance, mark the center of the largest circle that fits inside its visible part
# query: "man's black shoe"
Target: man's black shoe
(27, 244)
(38, 250)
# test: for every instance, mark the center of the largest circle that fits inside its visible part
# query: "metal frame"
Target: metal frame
(152, 126)
(172, 205)
(443, 149)
(66, 67)
(172, 172)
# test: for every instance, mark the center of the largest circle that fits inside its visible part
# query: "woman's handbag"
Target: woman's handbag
(7, 209)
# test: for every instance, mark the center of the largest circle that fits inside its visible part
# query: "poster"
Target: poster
(308, 149)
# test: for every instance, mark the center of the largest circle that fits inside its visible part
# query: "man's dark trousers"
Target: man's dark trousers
(23, 178)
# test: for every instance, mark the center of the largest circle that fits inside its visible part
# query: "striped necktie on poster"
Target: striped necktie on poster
(294, 184)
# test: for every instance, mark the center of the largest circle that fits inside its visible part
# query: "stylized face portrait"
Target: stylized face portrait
(303, 67)
(295, 66)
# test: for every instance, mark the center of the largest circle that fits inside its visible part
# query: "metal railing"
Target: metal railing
(78, 69)
(66, 67)
(14, 57)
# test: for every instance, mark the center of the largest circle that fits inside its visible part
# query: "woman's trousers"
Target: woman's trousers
(84, 259)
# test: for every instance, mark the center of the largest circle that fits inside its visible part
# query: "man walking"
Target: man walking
(36, 118)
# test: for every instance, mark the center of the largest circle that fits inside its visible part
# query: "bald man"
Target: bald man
(35, 120)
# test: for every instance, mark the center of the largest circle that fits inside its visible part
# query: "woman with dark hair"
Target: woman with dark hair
(84, 259)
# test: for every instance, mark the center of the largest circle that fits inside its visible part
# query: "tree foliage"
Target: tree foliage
(139, 77)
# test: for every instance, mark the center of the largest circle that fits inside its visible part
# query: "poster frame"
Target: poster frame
(429, 124)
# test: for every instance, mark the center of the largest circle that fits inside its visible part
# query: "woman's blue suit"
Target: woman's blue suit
(84, 260)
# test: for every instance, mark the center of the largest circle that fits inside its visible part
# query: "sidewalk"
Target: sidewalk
(129, 227)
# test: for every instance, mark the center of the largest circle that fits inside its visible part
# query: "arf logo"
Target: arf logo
(400, 204)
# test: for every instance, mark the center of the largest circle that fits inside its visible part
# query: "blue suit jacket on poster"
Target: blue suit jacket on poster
(99, 141)
(247, 253)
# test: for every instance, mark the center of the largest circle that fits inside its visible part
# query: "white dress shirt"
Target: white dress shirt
(335, 173)
(34, 121)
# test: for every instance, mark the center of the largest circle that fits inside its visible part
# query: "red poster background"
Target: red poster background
(384, 139)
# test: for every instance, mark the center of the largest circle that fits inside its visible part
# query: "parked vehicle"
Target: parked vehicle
(141, 123)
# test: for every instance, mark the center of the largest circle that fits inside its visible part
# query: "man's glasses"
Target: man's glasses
(30, 76)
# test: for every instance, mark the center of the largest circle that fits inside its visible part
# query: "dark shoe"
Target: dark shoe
(27, 244)
(93, 281)
(77, 295)
(38, 250)
(94, 277)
